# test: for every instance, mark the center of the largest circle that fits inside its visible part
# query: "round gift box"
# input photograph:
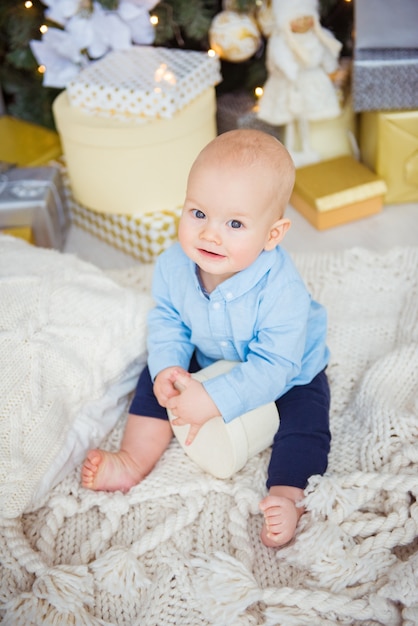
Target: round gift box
(220, 448)
(135, 165)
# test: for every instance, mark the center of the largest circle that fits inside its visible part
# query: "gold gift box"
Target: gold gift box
(337, 191)
(23, 232)
(389, 146)
(26, 144)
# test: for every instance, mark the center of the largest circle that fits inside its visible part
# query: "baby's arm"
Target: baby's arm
(192, 405)
(280, 57)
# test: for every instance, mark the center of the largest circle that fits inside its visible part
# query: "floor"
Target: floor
(396, 225)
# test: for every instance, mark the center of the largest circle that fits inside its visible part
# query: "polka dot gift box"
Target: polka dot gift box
(144, 81)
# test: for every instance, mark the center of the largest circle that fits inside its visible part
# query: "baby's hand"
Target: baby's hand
(192, 406)
(164, 384)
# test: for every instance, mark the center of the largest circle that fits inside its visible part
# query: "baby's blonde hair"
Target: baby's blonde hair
(249, 148)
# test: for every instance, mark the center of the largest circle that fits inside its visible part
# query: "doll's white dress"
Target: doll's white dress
(298, 88)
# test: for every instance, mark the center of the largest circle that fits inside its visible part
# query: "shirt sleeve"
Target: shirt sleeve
(274, 356)
(168, 337)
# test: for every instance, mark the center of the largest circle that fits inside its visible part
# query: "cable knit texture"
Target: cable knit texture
(72, 343)
(183, 547)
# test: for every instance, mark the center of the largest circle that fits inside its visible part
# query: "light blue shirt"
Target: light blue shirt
(262, 317)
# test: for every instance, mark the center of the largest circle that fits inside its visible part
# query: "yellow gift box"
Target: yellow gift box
(337, 191)
(137, 166)
(389, 146)
(26, 144)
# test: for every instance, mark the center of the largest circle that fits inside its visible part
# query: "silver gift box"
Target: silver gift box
(386, 24)
(385, 79)
(34, 197)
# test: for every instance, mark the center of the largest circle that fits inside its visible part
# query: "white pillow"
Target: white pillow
(72, 344)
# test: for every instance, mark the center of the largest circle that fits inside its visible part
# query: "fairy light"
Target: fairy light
(211, 53)
(41, 69)
(163, 75)
(154, 20)
(28, 4)
(258, 92)
(43, 28)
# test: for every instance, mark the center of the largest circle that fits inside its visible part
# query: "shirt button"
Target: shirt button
(229, 295)
(224, 343)
(216, 305)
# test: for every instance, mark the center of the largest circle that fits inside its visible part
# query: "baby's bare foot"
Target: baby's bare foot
(110, 471)
(281, 518)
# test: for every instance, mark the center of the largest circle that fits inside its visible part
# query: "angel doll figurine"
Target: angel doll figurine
(300, 56)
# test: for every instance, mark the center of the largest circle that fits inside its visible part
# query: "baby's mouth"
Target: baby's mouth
(211, 255)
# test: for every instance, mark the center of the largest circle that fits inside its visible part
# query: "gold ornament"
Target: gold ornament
(234, 36)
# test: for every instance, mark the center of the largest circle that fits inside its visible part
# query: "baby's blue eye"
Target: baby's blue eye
(235, 224)
(199, 214)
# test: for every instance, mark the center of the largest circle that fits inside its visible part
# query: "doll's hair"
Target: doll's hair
(285, 11)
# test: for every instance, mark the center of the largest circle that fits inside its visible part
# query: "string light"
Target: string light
(41, 69)
(211, 53)
(43, 28)
(28, 4)
(258, 91)
(154, 20)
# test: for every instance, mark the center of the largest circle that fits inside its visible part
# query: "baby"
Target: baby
(227, 290)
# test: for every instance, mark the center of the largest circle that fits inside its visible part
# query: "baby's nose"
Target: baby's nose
(210, 234)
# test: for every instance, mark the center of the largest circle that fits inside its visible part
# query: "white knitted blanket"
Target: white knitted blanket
(183, 547)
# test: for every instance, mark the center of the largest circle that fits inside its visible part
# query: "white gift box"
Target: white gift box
(144, 81)
(385, 68)
(223, 449)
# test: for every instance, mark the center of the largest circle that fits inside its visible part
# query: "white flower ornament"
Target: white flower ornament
(89, 32)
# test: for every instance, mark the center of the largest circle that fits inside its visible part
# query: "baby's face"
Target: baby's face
(226, 219)
(302, 24)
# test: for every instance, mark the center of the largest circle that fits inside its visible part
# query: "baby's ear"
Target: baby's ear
(277, 232)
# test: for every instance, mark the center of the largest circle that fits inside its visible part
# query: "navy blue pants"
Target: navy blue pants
(301, 445)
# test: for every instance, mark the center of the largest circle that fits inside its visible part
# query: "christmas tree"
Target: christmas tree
(178, 23)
